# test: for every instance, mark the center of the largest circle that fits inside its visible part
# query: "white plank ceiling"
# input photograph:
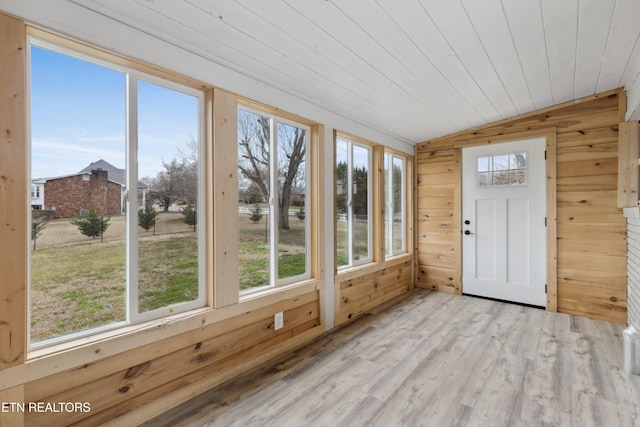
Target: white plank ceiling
(413, 69)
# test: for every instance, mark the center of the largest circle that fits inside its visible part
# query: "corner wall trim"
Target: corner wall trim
(631, 350)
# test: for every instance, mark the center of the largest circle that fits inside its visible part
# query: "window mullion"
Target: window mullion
(350, 218)
(132, 197)
(390, 206)
(273, 202)
(370, 172)
(403, 205)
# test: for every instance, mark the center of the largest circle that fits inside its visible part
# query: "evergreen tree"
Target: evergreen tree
(301, 213)
(92, 225)
(256, 213)
(37, 225)
(190, 215)
(147, 217)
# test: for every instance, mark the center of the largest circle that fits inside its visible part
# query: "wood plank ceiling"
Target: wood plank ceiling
(414, 69)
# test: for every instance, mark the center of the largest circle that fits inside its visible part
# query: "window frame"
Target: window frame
(132, 76)
(273, 216)
(389, 234)
(351, 143)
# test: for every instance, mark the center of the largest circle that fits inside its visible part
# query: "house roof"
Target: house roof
(114, 174)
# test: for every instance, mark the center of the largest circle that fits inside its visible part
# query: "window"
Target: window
(502, 170)
(395, 205)
(273, 179)
(353, 203)
(121, 153)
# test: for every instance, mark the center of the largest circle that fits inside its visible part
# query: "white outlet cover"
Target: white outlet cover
(278, 321)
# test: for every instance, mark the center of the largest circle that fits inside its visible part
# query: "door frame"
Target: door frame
(552, 219)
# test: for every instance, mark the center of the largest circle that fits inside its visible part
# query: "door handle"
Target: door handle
(467, 232)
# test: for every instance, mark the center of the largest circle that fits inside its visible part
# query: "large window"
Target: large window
(118, 237)
(353, 203)
(273, 183)
(395, 204)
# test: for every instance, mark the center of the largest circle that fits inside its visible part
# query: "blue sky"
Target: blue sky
(78, 117)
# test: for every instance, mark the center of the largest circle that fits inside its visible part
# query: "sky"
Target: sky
(78, 116)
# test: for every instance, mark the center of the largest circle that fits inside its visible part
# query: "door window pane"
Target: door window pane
(501, 170)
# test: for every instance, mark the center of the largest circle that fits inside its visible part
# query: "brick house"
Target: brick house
(99, 186)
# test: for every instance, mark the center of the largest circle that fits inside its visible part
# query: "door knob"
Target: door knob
(467, 232)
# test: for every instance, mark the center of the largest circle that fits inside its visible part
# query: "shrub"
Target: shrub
(92, 225)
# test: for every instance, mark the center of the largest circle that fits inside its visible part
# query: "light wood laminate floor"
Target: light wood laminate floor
(433, 359)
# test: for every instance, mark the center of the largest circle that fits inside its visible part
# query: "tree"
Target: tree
(252, 194)
(256, 213)
(190, 215)
(341, 187)
(178, 182)
(92, 225)
(37, 226)
(147, 217)
(359, 189)
(254, 142)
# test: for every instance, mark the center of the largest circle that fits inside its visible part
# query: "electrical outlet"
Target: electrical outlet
(278, 321)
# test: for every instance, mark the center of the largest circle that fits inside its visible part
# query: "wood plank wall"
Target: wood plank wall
(168, 372)
(366, 288)
(591, 230)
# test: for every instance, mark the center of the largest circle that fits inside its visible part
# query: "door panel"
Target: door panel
(486, 241)
(504, 242)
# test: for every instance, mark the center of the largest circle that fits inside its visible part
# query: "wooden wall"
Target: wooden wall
(591, 242)
(368, 287)
(127, 387)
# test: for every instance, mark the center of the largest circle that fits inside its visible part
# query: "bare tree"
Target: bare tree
(254, 141)
(178, 182)
(291, 156)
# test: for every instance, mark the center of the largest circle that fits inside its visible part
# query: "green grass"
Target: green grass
(79, 284)
(291, 265)
(168, 272)
(78, 287)
(254, 252)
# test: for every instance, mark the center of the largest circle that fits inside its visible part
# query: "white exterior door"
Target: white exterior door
(503, 215)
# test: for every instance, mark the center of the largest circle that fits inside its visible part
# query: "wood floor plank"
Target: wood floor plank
(431, 359)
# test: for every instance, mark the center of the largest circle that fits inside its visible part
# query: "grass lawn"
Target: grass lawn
(78, 283)
(254, 251)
